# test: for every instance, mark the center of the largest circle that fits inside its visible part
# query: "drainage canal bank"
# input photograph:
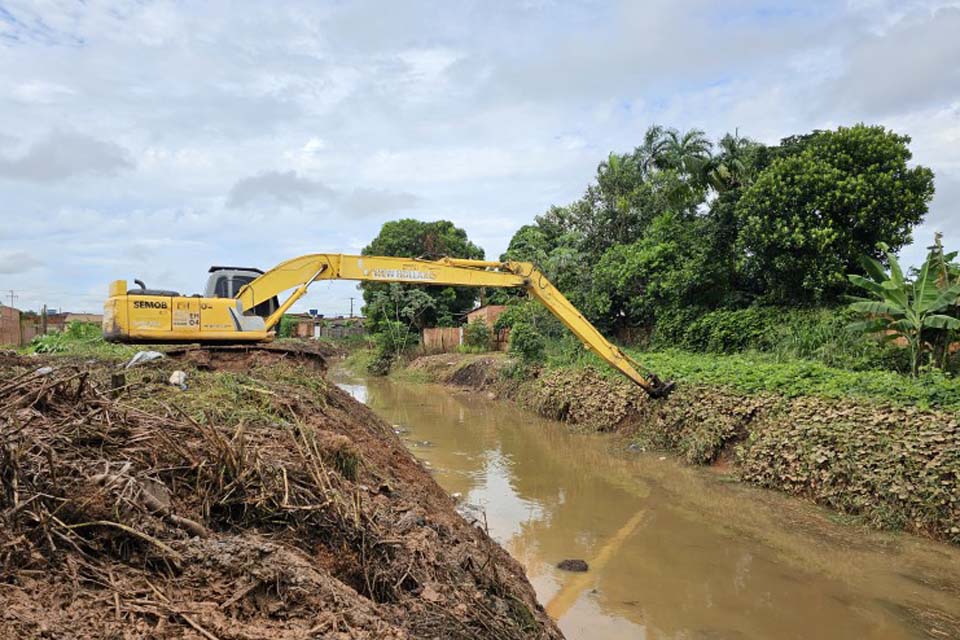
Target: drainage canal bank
(674, 551)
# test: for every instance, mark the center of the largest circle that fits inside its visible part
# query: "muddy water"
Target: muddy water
(674, 552)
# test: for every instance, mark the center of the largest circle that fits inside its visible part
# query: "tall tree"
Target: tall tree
(810, 215)
(413, 239)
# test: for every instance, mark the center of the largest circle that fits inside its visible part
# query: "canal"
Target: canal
(674, 551)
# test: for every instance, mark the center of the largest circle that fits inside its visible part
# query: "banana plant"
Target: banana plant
(901, 309)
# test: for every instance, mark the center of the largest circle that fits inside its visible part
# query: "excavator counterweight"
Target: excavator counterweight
(242, 305)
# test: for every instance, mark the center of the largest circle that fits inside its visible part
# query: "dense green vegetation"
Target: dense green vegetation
(79, 339)
(683, 245)
(674, 228)
(738, 246)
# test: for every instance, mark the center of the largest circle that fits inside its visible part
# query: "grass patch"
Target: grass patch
(756, 372)
(752, 373)
(405, 374)
(82, 340)
(359, 360)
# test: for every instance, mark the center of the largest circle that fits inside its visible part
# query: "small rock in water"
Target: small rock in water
(573, 565)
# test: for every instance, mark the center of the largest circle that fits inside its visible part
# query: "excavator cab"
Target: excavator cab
(225, 282)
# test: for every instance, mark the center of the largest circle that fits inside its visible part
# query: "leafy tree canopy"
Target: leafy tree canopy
(833, 197)
(418, 305)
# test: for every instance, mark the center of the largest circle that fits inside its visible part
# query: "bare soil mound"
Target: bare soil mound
(262, 502)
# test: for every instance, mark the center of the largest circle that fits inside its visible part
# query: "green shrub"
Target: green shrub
(786, 333)
(61, 341)
(732, 330)
(672, 324)
(477, 335)
(527, 342)
(532, 313)
(285, 328)
(393, 339)
(825, 335)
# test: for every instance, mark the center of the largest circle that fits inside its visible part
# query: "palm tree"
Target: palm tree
(686, 153)
(732, 166)
(650, 152)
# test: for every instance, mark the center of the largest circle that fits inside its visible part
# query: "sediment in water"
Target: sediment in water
(262, 502)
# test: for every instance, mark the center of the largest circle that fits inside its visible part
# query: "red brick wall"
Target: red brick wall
(9, 326)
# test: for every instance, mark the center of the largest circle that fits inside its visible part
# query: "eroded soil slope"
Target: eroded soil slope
(260, 502)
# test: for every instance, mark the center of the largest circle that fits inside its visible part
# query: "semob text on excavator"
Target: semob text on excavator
(242, 305)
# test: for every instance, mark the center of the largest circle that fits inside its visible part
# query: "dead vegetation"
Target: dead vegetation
(259, 503)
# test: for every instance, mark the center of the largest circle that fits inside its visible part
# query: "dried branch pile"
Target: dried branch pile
(259, 505)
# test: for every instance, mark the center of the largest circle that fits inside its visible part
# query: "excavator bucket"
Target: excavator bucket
(658, 388)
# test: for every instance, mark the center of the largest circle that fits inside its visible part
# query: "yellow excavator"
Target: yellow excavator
(241, 305)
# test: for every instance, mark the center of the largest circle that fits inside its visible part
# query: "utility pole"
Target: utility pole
(351, 307)
(12, 296)
(43, 321)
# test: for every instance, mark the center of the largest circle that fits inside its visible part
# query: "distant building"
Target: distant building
(488, 313)
(59, 321)
(310, 326)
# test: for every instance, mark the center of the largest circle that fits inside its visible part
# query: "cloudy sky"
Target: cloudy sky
(152, 140)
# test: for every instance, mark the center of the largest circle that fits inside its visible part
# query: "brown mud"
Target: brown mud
(893, 467)
(261, 502)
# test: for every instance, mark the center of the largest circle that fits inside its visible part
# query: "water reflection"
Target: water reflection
(676, 552)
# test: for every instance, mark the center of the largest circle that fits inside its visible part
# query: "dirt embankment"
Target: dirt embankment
(260, 502)
(896, 467)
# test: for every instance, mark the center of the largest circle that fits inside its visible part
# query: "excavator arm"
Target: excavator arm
(299, 273)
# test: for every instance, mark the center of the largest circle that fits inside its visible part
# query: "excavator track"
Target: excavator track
(318, 354)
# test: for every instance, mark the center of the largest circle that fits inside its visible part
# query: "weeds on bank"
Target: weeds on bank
(82, 340)
(755, 372)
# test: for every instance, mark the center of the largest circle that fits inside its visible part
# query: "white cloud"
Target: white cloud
(12, 262)
(64, 154)
(913, 63)
(285, 187)
(38, 92)
(182, 131)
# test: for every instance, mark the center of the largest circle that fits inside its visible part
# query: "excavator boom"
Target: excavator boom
(152, 316)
